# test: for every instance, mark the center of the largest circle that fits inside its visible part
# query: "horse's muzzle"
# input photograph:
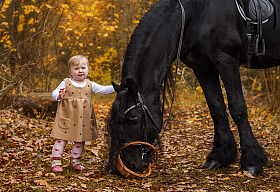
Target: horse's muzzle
(126, 172)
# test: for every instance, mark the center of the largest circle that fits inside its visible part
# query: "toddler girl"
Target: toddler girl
(75, 117)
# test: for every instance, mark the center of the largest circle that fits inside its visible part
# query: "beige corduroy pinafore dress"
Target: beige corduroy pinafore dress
(75, 118)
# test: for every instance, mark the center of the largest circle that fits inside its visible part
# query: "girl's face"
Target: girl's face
(79, 73)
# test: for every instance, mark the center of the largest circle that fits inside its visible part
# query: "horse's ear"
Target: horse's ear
(116, 87)
(132, 87)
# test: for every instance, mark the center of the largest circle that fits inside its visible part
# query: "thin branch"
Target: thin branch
(11, 85)
(5, 79)
(43, 30)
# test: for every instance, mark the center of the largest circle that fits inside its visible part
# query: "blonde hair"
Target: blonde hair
(76, 60)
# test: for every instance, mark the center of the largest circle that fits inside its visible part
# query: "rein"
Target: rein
(176, 71)
(121, 167)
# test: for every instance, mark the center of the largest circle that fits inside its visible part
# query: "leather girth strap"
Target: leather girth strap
(255, 46)
(258, 13)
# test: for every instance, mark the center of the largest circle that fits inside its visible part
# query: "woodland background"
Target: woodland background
(37, 37)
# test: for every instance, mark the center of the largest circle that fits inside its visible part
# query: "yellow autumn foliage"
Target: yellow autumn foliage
(31, 21)
(54, 31)
(20, 27)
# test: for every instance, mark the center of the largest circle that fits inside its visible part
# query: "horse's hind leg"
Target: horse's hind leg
(253, 158)
(224, 151)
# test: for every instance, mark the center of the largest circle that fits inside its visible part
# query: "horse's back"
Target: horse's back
(217, 29)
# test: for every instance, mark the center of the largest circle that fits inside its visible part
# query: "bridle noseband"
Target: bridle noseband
(144, 109)
(147, 114)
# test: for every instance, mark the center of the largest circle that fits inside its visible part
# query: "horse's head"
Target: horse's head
(131, 120)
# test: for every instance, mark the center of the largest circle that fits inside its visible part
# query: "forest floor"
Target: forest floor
(25, 155)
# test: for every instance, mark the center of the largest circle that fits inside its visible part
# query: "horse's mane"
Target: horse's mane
(114, 127)
(142, 38)
(133, 58)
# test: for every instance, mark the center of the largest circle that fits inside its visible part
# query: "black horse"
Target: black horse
(214, 45)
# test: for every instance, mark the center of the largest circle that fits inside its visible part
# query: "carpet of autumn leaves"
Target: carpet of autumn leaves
(25, 155)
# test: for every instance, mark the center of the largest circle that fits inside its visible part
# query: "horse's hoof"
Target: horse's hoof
(251, 170)
(213, 164)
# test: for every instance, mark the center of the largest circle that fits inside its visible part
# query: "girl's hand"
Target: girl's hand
(62, 93)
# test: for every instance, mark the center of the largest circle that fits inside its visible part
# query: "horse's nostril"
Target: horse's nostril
(145, 164)
(133, 167)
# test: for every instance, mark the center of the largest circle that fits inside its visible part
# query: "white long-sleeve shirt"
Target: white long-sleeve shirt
(96, 88)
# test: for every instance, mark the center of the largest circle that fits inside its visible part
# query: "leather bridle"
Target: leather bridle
(144, 109)
(146, 113)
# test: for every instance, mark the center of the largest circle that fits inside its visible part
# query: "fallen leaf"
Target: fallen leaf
(50, 174)
(246, 173)
(83, 178)
(225, 178)
(43, 182)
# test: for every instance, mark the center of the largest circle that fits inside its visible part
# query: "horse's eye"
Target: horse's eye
(133, 120)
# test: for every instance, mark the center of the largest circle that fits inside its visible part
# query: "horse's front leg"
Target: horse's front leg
(253, 157)
(224, 150)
